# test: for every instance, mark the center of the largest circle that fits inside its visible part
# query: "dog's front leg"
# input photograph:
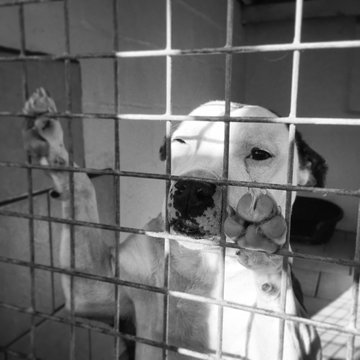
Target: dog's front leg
(141, 261)
(259, 228)
(43, 140)
(300, 341)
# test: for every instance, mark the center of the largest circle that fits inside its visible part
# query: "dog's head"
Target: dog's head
(258, 152)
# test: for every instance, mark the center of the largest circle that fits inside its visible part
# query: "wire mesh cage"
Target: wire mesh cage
(38, 319)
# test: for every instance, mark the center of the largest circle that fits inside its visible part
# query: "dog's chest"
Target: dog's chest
(196, 324)
(240, 293)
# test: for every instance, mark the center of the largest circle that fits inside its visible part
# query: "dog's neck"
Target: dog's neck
(199, 268)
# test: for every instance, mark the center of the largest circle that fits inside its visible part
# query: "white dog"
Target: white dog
(258, 153)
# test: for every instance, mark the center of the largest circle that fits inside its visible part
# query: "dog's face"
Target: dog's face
(257, 152)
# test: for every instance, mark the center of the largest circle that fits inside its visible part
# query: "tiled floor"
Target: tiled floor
(327, 289)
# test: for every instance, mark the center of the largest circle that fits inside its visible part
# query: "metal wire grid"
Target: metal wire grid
(296, 46)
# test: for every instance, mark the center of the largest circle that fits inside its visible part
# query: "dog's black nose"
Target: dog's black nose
(191, 198)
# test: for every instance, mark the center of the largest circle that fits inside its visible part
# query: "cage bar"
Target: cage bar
(116, 179)
(6, 349)
(290, 166)
(304, 46)
(68, 108)
(355, 292)
(29, 174)
(20, 355)
(225, 171)
(51, 250)
(168, 111)
(207, 300)
(180, 238)
(162, 117)
(324, 191)
(7, 3)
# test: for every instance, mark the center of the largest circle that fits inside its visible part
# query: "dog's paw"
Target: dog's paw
(256, 224)
(42, 135)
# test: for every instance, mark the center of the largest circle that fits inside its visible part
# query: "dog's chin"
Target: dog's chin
(187, 228)
(202, 240)
(193, 231)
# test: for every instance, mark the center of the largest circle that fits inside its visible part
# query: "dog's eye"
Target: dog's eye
(259, 155)
(181, 141)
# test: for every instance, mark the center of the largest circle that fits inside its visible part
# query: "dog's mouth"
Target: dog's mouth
(187, 227)
(194, 209)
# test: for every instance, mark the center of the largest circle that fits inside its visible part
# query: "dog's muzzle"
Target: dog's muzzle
(194, 208)
(192, 198)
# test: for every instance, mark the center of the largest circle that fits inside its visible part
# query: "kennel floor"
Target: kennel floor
(327, 289)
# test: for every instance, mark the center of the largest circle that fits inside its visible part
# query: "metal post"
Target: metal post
(290, 167)
(117, 195)
(355, 292)
(167, 248)
(68, 109)
(25, 88)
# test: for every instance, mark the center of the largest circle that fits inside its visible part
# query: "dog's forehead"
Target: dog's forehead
(217, 108)
(250, 131)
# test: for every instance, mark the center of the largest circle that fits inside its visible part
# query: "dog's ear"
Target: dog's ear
(162, 150)
(313, 167)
